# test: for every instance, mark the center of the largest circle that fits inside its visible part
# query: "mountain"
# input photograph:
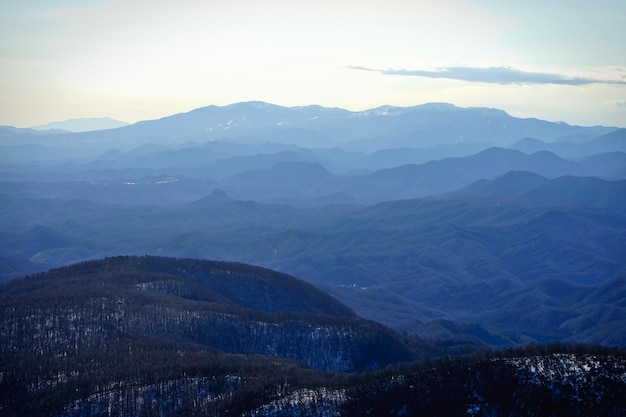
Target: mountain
(318, 127)
(608, 165)
(410, 180)
(177, 329)
(492, 162)
(576, 147)
(225, 306)
(528, 186)
(530, 145)
(508, 185)
(615, 140)
(83, 124)
(441, 123)
(10, 133)
(41, 246)
(290, 180)
(591, 191)
(225, 167)
(395, 157)
(283, 179)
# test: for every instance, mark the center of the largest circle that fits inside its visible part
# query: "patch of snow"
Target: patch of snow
(304, 402)
(167, 180)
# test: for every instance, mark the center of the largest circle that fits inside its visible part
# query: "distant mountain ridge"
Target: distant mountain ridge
(315, 126)
(529, 186)
(83, 124)
(569, 148)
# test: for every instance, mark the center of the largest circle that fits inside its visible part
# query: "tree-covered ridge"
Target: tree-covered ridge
(243, 285)
(104, 303)
(147, 378)
(541, 380)
(143, 336)
(162, 335)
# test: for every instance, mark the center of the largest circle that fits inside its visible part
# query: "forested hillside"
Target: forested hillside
(231, 307)
(538, 381)
(138, 336)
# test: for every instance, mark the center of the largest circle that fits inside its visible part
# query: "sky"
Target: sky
(138, 60)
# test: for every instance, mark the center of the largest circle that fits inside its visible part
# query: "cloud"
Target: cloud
(494, 75)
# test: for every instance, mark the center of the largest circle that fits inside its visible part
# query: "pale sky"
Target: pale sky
(136, 59)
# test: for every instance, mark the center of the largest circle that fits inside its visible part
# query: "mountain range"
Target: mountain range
(341, 199)
(426, 260)
(289, 177)
(385, 127)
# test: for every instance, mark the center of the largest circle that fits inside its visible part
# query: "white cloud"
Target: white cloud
(496, 75)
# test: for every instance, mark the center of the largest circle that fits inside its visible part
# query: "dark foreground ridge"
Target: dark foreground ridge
(231, 307)
(136, 336)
